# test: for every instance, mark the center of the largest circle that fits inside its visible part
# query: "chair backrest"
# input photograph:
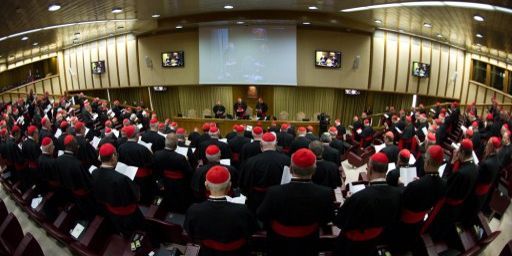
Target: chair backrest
(283, 115)
(207, 112)
(167, 232)
(300, 116)
(3, 211)
(28, 247)
(191, 113)
(11, 233)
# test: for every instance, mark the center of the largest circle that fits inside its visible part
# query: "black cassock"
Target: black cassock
(225, 152)
(376, 206)
(235, 146)
(13, 158)
(219, 111)
(175, 172)
(30, 151)
(284, 140)
(86, 153)
(118, 196)
(48, 178)
(199, 178)
(332, 155)
(157, 141)
(327, 174)
(249, 150)
(299, 205)
(298, 143)
(216, 223)
(488, 176)
(239, 109)
(259, 173)
(391, 152)
(133, 154)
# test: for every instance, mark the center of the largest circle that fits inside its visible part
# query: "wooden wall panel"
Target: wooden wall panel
(404, 64)
(122, 68)
(111, 63)
(415, 56)
(452, 65)
(80, 67)
(391, 61)
(133, 69)
(96, 79)
(459, 74)
(102, 55)
(434, 68)
(443, 70)
(378, 60)
(86, 55)
(47, 86)
(426, 48)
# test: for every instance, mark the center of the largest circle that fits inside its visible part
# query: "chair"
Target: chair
(66, 220)
(192, 250)
(95, 238)
(283, 115)
(507, 250)
(11, 234)
(28, 247)
(248, 111)
(207, 112)
(3, 211)
(300, 115)
(165, 231)
(191, 113)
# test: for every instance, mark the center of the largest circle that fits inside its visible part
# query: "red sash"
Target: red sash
(482, 189)
(173, 174)
(293, 231)
(235, 157)
(32, 164)
(143, 172)
(80, 192)
(454, 202)
(367, 234)
(19, 166)
(259, 189)
(53, 183)
(121, 210)
(224, 247)
(410, 217)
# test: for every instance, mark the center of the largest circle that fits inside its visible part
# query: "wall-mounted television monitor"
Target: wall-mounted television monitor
(159, 88)
(328, 59)
(173, 59)
(98, 67)
(420, 69)
(352, 92)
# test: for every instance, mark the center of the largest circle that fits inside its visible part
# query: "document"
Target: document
(407, 174)
(378, 148)
(356, 188)
(225, 162)
(182, 151)
(95, 141)
(441, 170)
(391, 166)
(287, 175)
(58, 133)
(145, 144)
(128, 171)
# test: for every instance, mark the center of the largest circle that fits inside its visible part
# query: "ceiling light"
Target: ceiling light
(228, 7)
(479, 6)
(439, 36)
(35, 44)
(378, 21)
(425, 3)
(469, 5)
(117, 10)
(479, 35)
(179, 26)
(313, 8)
(306, 23)
(478, 18)
(155, 15)
(24, 38)
(53, 7)
(427, 25)
(240, 22)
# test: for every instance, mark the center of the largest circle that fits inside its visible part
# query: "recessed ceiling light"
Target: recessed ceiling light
(117, 10)
(427, 25)
(313, 8)
(53, 7)
(306, 23)
(478, 18)
(35, 44)
(228, 7)
(479, 35)
(439, 36)
(378, 21)
(179, 26)
(155, 15)
(24, 38)
(240, 22)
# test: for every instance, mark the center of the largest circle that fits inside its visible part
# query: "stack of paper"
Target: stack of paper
(116, 132)
(412, 160)
(407, 174)
(95, 141)
(224, 140)
(378, 148)
(225, 161)
(356, 188)
(424, 130)
(237, 200)
(182, 151)
(128, 171)
(92, 168)
(60, 152)
(441, 170)
(58, 133)
(391, 166)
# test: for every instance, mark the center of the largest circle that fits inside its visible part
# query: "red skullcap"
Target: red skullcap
(333, 129)
(235, 126)
(474, 124)
(284, 126)
(218, 175)
(68, 139)
(180, 131)
(469, 132)
(496, 142)
(31, 129)
(269, 137)
(214, 129)
(153, 121)
(212, 124)
(366, 121)
(379, 158)
(212, 150)
(3, 131)
(44, 120)
(206, 126)
(174, 124)
(431, 136)
(79, 125)
(46, 141)
(161, 125)
(301, 129)
(107, 150)
(489, 117)
(309, 128)
(15, 128)
(466, 144)
(436, 153)
(108, 130)
(257, 130)
(64, 125)
(240, 128)
(506, 126)
(303, 158)
(405, 153)
(129, 131)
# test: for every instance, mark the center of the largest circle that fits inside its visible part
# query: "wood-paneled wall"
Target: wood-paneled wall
(49, 84)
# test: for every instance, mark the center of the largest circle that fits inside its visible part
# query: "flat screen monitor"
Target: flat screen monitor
(98, 67)
(328, 59)
(420, 69)
(173, 59)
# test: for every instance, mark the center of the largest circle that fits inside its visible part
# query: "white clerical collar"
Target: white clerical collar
(30, 137)
(108, 166)
(378, 179)
(216, 197)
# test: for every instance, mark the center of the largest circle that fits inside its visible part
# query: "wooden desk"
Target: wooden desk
(226, 125)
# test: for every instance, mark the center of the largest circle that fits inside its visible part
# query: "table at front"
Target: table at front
(226, 125)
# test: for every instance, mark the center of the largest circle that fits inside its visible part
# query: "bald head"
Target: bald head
(171, 141)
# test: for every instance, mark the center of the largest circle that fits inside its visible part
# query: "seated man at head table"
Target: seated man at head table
(261, 109)
(219, 110)
(239, 108)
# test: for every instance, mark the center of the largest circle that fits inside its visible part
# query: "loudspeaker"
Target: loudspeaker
(355, 65)
(149, 62)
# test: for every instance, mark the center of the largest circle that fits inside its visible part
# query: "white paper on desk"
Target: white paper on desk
(36, 201)
(128, 171)
(77, 230)
(182, 151)
(139, 126)
(407, 174)
(378, 148)
(60, 152)
(116, 132)
(359, 131)
(162, 134)
(287, 175)
(475, 158)
(236, 200)
(356, 188)
(145, 144)
(391, 166)
(424, 130)
(94, 116)
(58, 133)
(248, 128)
(412, 160)
(432, 110)
(225, 140)
(456, 146)
(463, 128)
(225, 162)
(92, 168)
(95, 141)
(398, 130)
(441, 170)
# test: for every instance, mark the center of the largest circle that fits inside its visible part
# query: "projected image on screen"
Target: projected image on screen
(173, 59)
(420, 69)
(248, 55)
(328, 59)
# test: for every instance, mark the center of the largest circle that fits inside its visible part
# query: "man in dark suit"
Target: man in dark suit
(391, 150)
(301, 141)
(293, 213)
